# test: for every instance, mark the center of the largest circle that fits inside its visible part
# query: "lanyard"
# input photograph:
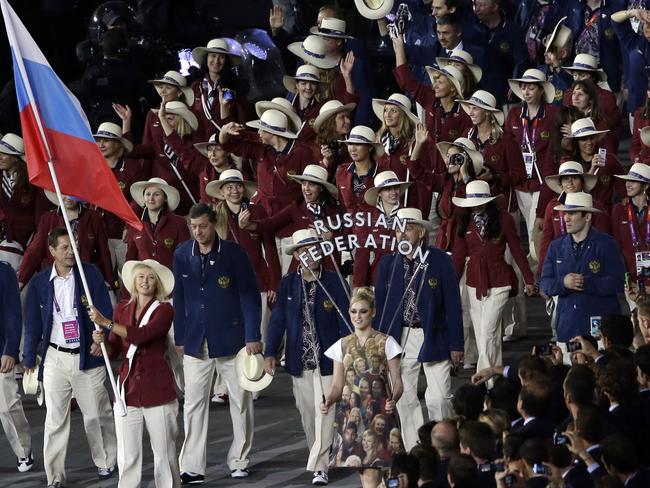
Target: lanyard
(529, 142)
(594, 17)
(562, 224)
(631, 218)
(57, 307)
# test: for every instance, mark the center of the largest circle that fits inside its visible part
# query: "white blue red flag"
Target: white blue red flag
(55, 128)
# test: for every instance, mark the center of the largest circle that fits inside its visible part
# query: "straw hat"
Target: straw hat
(30, 378)
(559, 37)
(465, 58)
(306, 72)
(453, 74)
(51, 196)
(13, 144)
(163, 273)
(571, 168)
(361, 134)
(638, 172)
(274, 122)
(383, 180)
(414, 215)
(645, 135)
(202, 147)
(137, 192)
(216, 46)
(374, 9)
(230, 176)
(537, 77)
(313, 50)
(398, 100)
(250, 371)
(331, 109)
(467, 146)
(584, 128)
(284, 106)
(179, 108)
(477, 193)
(302, 237)
(109, 130)
(316, 174)
(577, 202)
(176, 79)
(331, 27)
(486, 101)
(587, 63)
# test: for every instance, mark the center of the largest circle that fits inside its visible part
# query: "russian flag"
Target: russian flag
(55, 128)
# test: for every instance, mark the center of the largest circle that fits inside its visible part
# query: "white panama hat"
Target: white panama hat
(638, 172)
(137, 192)
(485, 100)
(361, 134)
(398, 100)
(164, 274)
(284, 106)
(466, 145)
(176, 79)
(577, 202)
(374, 9)
(477, 193)
(331, 27)
(274, 122)
(383, 180)
(533, 76)
(316, 174)
(216, 46)
(313, 50)
(109, 130)
(414, 215)
(250, 371)
(330, 109)
(465, 58)
(571, 168)
(230, 176)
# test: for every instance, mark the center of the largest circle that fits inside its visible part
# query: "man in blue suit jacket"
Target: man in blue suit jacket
(312, 324)
(430, 332)
(218, 311)
(72, 364)
(12, 414)
(584, 268)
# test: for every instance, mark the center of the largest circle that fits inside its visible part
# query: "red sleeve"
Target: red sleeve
(272, 260)
(35, 252)
(617, 169)
(548, 234)
(159, 324)
(419, 91)
(146, 148)
(270, 225)
(515, 161)
(106, 264)
(616, 218)
(192, 160)
(459, 254)
(244, 148)
(636, 146)
(512, 238)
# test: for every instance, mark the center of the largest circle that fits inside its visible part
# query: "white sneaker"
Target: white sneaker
(320, 478)
(256, 396)
(25, 464)
(510, 338)
(469, 365)
(239, 473)
(220, 398)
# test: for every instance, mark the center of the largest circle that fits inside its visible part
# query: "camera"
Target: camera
(560, 439)
(573, 346)
(544, 349)
(228, 94)
(392, 483)
(457, 159)
(543, 469)
(509, 480)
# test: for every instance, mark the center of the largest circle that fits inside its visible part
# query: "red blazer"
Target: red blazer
(552, 226)
(238, 112)
(22, 213)
(274, 189)
(487, 267)
(160, 245)
(638, 150)
(611, 116)
(150, 382)
(307, 135)
(350, 201)
(544, 141)
(604, 189)
(621, 232)
(91, 240)
(341, 159)
(260, 248)
(209, 174)
(364, 271)
(189, 166)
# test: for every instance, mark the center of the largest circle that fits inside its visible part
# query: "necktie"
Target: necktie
(8, 184)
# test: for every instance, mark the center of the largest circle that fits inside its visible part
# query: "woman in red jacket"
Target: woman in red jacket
(138, 332)
(584, 97)
(332, 124)
(218, 161)
(484, 231)
(234, 194)
(639, 152)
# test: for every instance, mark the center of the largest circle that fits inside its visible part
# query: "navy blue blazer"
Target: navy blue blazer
(439, 306)
(287, 317)
(221, 305)
(38, 314)
(603, 269)
(11, 317)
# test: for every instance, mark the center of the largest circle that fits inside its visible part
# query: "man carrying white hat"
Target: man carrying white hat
(418, 304)
(631, 222)
(584, 268)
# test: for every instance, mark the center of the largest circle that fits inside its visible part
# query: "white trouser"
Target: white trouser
(162, 428)
(319, 428)
(437, 395)
(12, 416)
(117, 248)
(285, 261)
(61, 380)
(470, 355)
(528, 207)
(486, 317)
(515, 322)
(198, 386)
(434, 219)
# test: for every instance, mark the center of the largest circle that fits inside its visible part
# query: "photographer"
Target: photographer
(534, 453)
(478, 440)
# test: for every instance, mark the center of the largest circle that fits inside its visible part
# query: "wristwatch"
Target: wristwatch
(110, 325)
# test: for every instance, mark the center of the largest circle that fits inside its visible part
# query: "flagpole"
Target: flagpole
(119, 403)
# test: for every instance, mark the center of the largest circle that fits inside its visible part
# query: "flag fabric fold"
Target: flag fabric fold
(55, 128)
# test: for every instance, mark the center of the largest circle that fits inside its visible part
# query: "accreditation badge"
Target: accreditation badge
(642, 259)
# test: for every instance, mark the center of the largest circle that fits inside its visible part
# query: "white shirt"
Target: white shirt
(391, 349)
(63, 307)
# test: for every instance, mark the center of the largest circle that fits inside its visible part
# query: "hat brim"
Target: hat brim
(137, 193)
(379, 148)
(202, 147)
(371, 196)
(30, 379)
(587, 134)
(315, 31)
(431, 70)
(632, 178)
(128, 145)
(264, 105)
(163, 273)
(332, 189)
(290, 249)
(477, 71)
(324, 116)
(475, 156)
(378, 105)
(188, 93)
(326, 62)
(644, 134)
(51, 196)
(548, 41)
(201, 53)
(473, 202)
(374, 13)
(498, 114)
(424, 223)
(602, 76)
(554, 182)
(247, 384)
(6, 150)
(256, 124)
(184, 113)
(549, 89)
(563, 208)
(214, 188)
(290, 82)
